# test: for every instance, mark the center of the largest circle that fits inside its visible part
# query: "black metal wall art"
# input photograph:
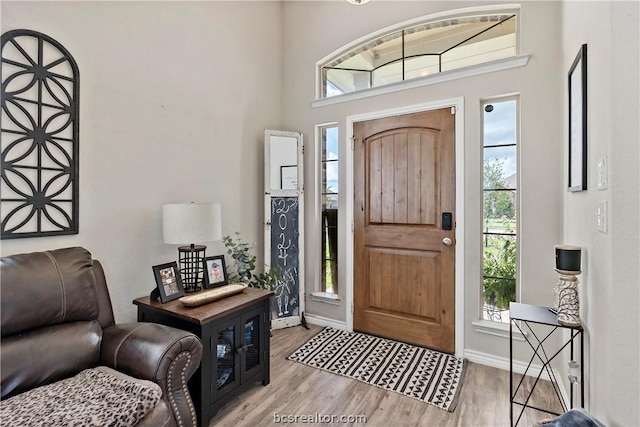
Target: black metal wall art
(39, 137)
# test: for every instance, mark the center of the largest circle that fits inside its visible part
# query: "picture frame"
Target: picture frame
(215, 271)
(577, 83)
(168, 281)
(289, 177)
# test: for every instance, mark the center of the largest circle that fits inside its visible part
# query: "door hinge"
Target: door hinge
(351, 307)
(353, 143)
(353, 227)
(453, 110)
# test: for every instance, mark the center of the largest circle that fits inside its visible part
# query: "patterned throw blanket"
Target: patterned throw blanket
(94, 397)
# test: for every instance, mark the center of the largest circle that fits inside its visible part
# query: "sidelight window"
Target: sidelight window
(499, 208)
(329, 202)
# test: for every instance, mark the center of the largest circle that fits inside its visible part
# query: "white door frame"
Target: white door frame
(458, 104)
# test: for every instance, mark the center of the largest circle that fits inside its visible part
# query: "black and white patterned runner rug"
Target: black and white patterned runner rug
(417, 372)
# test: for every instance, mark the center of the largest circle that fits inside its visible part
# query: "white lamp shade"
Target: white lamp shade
(186, 223)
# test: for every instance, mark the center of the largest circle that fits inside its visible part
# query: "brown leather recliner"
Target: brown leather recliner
(57, 320)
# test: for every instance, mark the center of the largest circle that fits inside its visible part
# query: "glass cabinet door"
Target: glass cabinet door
(252, 342)
(238, 351)
(225, 374)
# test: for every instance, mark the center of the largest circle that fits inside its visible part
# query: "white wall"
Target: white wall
(609, 289)
(335, 24)
(174, 100)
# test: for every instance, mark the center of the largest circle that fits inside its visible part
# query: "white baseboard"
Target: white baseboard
(314, 319)
(518, 367)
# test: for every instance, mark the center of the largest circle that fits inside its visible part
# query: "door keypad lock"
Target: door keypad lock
(447, 221)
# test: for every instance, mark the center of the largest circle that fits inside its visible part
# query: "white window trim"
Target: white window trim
(326, 297)
(497, 329)
(445, 76)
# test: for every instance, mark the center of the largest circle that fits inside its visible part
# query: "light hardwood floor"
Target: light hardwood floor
(297, 389)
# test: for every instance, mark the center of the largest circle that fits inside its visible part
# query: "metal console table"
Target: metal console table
(522, 316)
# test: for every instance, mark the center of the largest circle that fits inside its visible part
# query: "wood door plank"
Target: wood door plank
(388, 176)
(399, 296)
(430, 179)
(429, 298)
(374, 190)
(375, 279)
(400, 178)
(386, 278)
(411, 238)
(414, 173)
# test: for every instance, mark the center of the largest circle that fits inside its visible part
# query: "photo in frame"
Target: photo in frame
(168, 281)
(289, 177)
(215, 271)
(577, 80)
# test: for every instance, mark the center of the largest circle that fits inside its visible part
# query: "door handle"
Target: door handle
(447, 241)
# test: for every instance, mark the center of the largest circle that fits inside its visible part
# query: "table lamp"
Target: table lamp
(191, 223)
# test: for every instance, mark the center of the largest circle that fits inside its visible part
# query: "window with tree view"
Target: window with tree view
(329, 195)
(500, 222)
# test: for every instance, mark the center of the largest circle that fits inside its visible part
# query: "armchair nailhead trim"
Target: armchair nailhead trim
(185, 389)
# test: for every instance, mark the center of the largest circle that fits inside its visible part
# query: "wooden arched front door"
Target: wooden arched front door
(404, 189)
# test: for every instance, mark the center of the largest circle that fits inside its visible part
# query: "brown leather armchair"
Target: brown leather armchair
(57, 320)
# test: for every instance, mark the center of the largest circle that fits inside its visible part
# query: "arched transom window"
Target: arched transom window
(418, 50)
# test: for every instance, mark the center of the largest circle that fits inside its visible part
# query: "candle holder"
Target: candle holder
(568, 301)
(568, 267)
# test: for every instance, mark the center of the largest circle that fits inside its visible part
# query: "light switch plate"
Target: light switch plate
(602, 173)
(601, 216)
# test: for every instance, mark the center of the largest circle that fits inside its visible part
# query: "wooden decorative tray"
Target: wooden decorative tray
(214, 294)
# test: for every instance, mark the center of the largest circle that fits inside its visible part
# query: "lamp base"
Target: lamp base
(191, 269)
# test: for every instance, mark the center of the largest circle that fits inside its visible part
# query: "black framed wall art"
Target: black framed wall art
(39, 137)
(577, 83)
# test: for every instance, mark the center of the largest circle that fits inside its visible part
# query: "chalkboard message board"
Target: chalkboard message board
(284, 255)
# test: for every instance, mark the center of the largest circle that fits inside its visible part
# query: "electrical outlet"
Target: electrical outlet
(601, 216)
(602, 173)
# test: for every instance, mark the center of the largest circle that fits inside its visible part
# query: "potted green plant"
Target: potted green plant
(244, 262)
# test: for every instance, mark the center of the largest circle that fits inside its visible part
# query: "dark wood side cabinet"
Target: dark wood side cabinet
(235, 334)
